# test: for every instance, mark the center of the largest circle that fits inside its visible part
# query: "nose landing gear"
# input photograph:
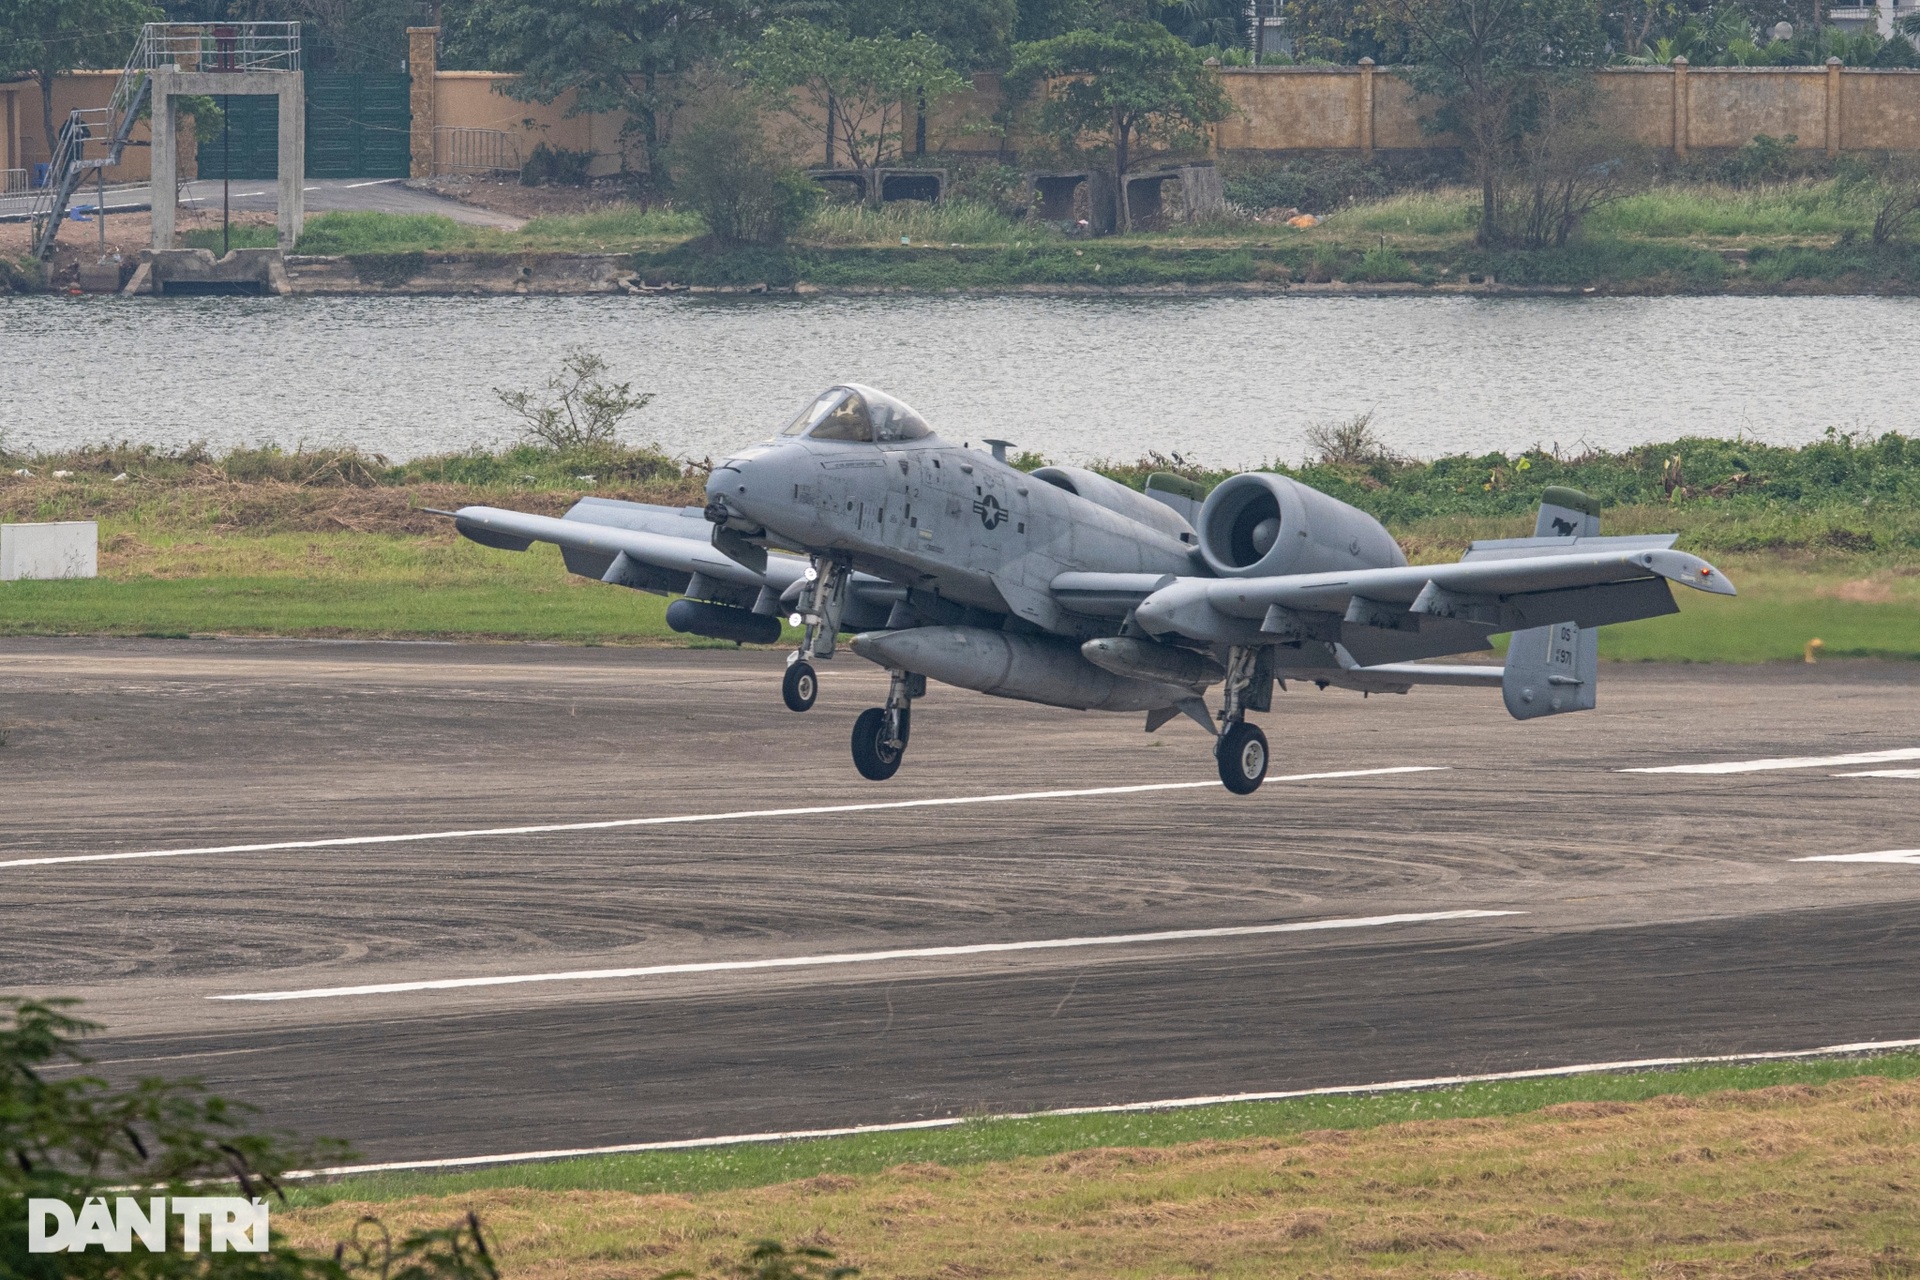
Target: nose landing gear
(821, 604)
(800, 686)
(880, 734)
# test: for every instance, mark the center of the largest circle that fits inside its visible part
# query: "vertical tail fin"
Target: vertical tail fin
(1567, 513)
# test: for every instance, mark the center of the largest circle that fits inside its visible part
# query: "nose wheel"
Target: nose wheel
(1242, 755)
(800, 686)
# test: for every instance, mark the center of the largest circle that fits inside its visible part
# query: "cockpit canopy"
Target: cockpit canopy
(853, 412)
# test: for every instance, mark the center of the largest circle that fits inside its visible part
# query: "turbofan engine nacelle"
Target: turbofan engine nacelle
(1257, 525)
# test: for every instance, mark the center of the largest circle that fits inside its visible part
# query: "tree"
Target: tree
(725, 170)
(849, 89)
(1131, 84)
(621, 56)
(49, 38)
(1487, 61)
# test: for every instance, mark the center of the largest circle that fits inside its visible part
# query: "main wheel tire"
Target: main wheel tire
(874, 755)
(800, 686)
(1242, 754)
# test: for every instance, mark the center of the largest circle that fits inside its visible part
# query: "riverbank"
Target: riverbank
(1801, 237)
(1823, 541)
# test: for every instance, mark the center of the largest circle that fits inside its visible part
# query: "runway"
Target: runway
(445, 901)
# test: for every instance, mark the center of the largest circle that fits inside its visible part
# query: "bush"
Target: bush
(76, 1138)
(1382, 265)
(557, 165)
(725, 171)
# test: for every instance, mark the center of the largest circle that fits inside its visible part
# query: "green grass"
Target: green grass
(991, 1141)
(611, 229)
(950, 222)
(1800, 209)
(350, 233)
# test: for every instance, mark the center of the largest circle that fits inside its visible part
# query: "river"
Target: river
(1219, 379)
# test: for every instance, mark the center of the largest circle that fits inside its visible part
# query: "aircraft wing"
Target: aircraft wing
(670, 551)
(1413, 611)
(644, 557)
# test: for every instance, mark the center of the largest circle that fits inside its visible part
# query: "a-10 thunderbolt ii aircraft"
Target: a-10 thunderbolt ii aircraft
(1066, 588)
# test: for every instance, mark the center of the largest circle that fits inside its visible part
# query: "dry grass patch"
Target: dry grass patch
(1797, 1180)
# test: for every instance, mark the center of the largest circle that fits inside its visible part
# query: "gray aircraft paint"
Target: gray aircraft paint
(966, 570)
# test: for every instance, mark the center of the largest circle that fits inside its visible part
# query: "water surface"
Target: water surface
(1225, 380)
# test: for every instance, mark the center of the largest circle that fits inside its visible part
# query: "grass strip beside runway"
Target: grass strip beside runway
(1719, 1170)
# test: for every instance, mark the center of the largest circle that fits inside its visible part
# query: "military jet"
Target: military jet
(1066, 588)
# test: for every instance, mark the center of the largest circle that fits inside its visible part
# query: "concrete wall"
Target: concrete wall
(88, 89)
(67, 549)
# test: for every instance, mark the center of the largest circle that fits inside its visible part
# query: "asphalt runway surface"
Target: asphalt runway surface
(1652, 914)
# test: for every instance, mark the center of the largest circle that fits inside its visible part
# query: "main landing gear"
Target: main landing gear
(822, 602)
(1241, 749)
(880, 734)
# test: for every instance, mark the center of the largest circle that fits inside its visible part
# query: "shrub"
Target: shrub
(725, 171)
(581, 410)
(557, 165)
(1382, 265)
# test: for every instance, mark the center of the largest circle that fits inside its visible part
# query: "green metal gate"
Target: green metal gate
(358, 126)
(254, 123)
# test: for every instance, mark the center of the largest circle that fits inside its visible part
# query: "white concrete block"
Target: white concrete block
(67, 549)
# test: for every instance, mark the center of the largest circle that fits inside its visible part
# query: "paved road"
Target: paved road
(1656, 913)
(324, 195)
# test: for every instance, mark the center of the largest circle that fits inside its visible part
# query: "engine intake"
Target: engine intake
(1257, 525)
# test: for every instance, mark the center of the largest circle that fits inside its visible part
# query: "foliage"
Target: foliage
(581, 409)
(1489, 62)
(79, 1137)
(974, 33)
(1352, 443)
(556, 165)
(1321, 183)
(850, 90)
(1131, 84)
(1899, 203)
(48, 38)
(771, 1260)
(725, 171)
(1562, 168)
(1382, 265)
(626, 58)
(952, 221)
(357, 36)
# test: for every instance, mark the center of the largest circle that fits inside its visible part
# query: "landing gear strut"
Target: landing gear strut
(821, 603)
(880, 734)
(1241, 750)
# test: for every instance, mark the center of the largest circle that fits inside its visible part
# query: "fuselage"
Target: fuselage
(935, 517)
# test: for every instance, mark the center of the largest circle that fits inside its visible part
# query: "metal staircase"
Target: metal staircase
(242, 46)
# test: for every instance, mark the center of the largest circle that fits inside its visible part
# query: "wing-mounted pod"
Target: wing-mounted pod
(1259, 525)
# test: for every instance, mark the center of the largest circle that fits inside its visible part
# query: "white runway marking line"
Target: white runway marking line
(1909, 857)
(1882, 773)
(1783, 762)
(1165, 1104)
(869, 957)
(616, 824)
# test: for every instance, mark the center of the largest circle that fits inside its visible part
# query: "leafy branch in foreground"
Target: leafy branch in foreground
(582, 408)
(80, 1138)
(771, 1260)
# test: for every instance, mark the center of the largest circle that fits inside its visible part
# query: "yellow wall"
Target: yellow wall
(76, 91)
(1346, 109)
(1324, 108)
(472, 100)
